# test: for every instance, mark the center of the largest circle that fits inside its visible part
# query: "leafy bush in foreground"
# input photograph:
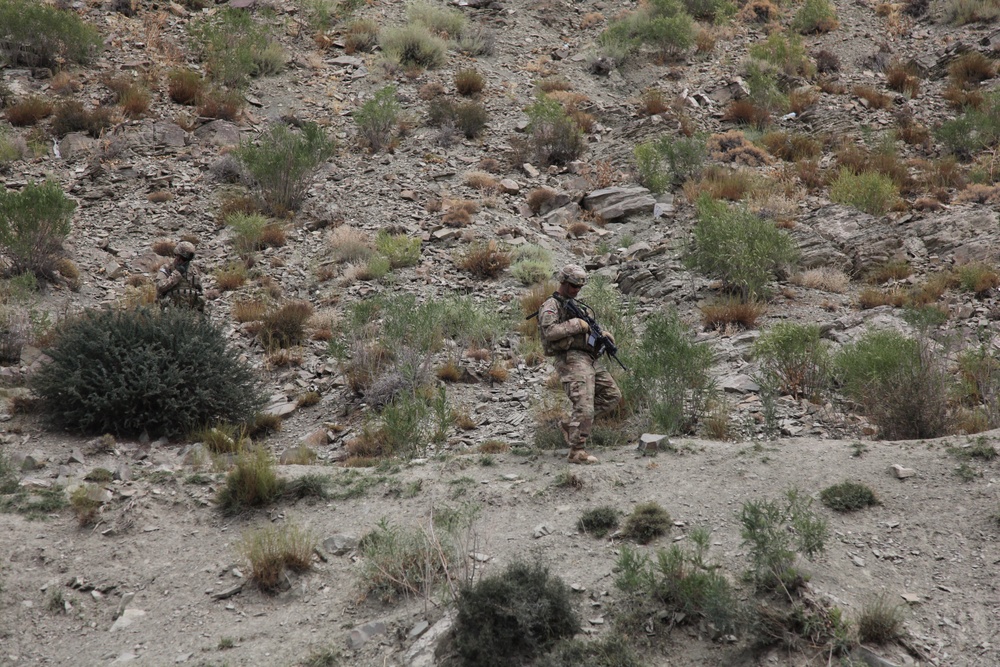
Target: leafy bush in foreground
(36, 35)
(166, 373)
(33, 225)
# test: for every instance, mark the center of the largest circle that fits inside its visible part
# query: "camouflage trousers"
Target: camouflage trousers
(592, 392)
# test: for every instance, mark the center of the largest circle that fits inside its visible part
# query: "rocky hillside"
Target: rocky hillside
(787, 121)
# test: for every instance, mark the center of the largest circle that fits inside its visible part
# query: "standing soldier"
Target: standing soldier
(565, 338)
(179, 284)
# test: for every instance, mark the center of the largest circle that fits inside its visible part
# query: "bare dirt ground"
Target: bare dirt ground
(932, 539)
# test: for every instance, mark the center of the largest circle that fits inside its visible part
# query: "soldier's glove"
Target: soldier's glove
(584, 327)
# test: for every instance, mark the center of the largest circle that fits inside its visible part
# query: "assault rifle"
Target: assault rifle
(596, 337)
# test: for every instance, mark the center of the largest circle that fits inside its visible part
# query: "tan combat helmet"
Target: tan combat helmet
(572, 274)
(184, 250)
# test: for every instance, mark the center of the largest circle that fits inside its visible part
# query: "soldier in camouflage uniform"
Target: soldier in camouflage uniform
(179, 284)
(592, 391)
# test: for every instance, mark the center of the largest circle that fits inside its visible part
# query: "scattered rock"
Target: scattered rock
(902, 473)
(340, 544)
(360, 635)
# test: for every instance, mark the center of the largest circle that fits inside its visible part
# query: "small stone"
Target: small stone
(510, 477)
(910, 598)
(541, 530)
(858, 560)
(340, 544)
(902, 473)
(360, 635)
(530, 170)
(418, 629)
(128, 617)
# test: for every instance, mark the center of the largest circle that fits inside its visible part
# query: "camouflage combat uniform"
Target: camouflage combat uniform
(179, 284)
(592, 391)
(179, 289)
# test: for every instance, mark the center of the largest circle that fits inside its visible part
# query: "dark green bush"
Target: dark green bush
(848, 497)
(513, 616)
(774, 532)
(738, 247)
(975, 130)
(33, 224)
(899, 382)
(36, 35)
(669, 161)
(166, 373)
(598, 521)
(646, 522)
(281, 165)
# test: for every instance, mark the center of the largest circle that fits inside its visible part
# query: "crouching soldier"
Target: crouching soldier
(179, 283)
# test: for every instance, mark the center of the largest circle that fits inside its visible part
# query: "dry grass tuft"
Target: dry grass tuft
(735, 148)
(479, 180)
(654, 102)
(873, 97)
(591, 19)
(902, 79)
(349, 244)
(729, 312)
(747, 112)
(469, 82)
(872, 297)
(824, 278)
(230, 277)
(449, 371)
(722, 183)
(485, 260)
(28, 111)
(248, 310)
(971, 69)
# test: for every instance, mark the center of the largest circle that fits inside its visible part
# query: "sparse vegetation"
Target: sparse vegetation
(377, 118)
(598, 521)
(280, 166)
(774, 532)
(796, 357)
(646, 522)
(235, 47)
(251, 484)
(271, 550)
(669, 161)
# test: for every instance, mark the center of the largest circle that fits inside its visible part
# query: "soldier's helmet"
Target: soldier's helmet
(572, 274)
(184, 249)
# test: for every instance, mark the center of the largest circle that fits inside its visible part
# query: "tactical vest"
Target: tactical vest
(577, 342)
(186, 293)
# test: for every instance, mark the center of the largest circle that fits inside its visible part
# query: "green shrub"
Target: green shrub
(868, 191)
(443, 21)
(646, 522)
(414, 46)
(848, 497)
(787, 53)
(964, 12)
(738, 247)
(669, 161)
(512, 617)
(400, 249)
(978, 128)
(815, 16)
(555, 136)
(774, 531)
(661, 24)
(532, 264)
(469, 117)
(235, 47)
(142, 370)
(37, 35)
(33, 224)
(598, 521)
(281, 165)
(248, 228)
(680, 582)
(762, 82)
(271, 550)
(251, 484)
(871, 371)
(675, 384)
(609, 651)
(795, 356)
(712, 11)
(378, 117)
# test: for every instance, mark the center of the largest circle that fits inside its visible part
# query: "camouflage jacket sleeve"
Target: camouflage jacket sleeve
(551, 326)
(166, 279)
